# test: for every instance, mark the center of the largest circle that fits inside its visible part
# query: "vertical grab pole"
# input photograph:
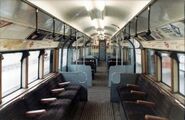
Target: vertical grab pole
(121, 54)
(149, 11)
(53, 27)
(84, 50)
(76, 44)
(117, 48)
(36, 19)
(1, 58)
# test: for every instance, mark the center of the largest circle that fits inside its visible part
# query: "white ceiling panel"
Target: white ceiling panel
(115, 15)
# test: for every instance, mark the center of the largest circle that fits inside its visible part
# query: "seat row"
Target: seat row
(114, 61)
(145, 101)
(88, 61)
(52, 100)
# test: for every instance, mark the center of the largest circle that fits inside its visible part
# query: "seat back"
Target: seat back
(165, 105)
(14, 111)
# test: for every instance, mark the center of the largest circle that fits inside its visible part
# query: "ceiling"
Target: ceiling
(93, 17)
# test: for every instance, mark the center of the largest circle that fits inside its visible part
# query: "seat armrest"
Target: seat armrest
(63, 83)
(57, 90)
(133, 86)
(48, 100)
(146, 103)
(151, 117)
(35, 113)
(137, 92)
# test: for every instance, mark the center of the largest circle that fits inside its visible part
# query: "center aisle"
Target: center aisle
(99, 106)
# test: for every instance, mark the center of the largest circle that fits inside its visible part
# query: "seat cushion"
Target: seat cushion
(127, 96)
(53, 114)
(64, 103)
(136, 111)
(73, 87)
(70, 94)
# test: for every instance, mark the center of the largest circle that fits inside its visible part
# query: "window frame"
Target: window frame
(136, 49)
(154, 66)
(170, 86)
(50, 64)
(179, 75)
(37, 66)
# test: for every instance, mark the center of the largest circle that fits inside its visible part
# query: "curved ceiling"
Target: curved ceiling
(93, 17)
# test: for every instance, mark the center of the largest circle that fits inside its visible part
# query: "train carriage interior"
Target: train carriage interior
(92, 60)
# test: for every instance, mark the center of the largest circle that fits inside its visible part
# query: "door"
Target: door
(102, 49)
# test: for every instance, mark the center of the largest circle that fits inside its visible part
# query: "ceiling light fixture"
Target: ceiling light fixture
(98, 23)
(94, 4)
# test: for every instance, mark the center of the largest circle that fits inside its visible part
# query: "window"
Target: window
(181, 73)
(138, 60)
(60, 56)
(166, 69)
(47, 56)
(151, 62)
(11, 73)
(75, 55)
(64, 58)
(33, 66)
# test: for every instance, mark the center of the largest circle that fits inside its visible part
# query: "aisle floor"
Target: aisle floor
(99, 106)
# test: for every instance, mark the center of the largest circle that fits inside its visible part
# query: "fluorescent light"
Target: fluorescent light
(88, 5)
(100, 4)
(98, 23)
(101, 32)
(95, 23)
(94, 4)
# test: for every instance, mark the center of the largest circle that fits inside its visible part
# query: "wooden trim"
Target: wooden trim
(1, 58)
(143, 59)
(55, 60)
(9, 45)
(158, 68)
(174, 75)
(169, 45)
(25, 72)
(41, 66)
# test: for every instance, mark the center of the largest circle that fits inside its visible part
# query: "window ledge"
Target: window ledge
(19, 93)
(180, 99)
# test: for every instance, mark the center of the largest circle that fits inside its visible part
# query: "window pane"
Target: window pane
(151, 62)
(11, 73)
(138, 60)
(45, 22)
(182, 73)
(64, 58)
(33, 66)
(47, 61)
(166, 69)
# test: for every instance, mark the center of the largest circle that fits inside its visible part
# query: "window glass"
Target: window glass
(151, 62)
(18, 12)
(45, 22)
(74, 55)
(33, 66)
(64, 58)
(181, 73)
(11, 73)
(47, 56)
(60, 56)
(166, 69)
(138, 60)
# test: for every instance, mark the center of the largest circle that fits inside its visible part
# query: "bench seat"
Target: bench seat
(57, 106)
(148, 100)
